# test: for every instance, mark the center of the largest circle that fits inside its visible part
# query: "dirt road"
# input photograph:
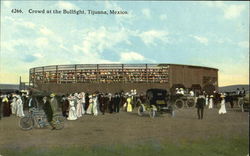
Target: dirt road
(128, 128)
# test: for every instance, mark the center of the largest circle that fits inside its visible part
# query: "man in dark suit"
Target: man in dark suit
(200, 106)
(48, 111)
(101, 100)
(117, 101)
(65, 106)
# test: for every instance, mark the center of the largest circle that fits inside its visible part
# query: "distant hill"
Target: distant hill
(233, 88)
(9, 86)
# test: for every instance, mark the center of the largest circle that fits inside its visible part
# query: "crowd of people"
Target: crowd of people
(11, 104)
(210, 101)
(76, 105)
(72, 106)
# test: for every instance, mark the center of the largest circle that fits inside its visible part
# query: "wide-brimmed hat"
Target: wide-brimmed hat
(201, 96)
(222, 95)
(211, 96)
(52, 95)
(76, 94)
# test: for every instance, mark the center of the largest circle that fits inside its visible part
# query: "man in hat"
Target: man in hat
(242, 92)
(101, 100)
(65, 106)
(53, 103)
(117, 101)
(200, 106)
(32, 101)
(86, 101)
(238, 91)
(48, 111)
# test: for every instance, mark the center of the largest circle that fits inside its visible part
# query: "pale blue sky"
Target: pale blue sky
(213, 34)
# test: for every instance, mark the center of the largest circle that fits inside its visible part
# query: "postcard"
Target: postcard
(124, 78)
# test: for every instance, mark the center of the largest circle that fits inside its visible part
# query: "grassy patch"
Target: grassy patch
(212, 147)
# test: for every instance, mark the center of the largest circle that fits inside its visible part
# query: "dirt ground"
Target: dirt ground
(128, 128)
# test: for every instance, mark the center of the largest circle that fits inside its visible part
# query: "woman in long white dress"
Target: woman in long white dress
(206, 100)
(90, 107)
(222, 105)
(72, 109)
(211, 103)
(79, 107)
(95, 105)
(19, 104)
(13, 106)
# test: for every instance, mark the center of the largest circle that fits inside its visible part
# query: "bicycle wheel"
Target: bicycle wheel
(26, 123)
(58, 122)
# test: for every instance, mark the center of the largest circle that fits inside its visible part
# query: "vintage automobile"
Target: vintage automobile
(156, 102)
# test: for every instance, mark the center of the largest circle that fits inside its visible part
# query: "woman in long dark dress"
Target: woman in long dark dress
(6, 107)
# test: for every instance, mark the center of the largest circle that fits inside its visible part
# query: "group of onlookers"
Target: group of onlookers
(76, 105)
(72, 106)
(208, 100)
(11, 104)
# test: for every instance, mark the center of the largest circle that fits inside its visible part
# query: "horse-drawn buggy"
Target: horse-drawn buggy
(157, 101)
(181, 98)
(242, 100)
(246, 103)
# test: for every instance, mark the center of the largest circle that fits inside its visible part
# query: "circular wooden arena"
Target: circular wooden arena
(117, 77)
